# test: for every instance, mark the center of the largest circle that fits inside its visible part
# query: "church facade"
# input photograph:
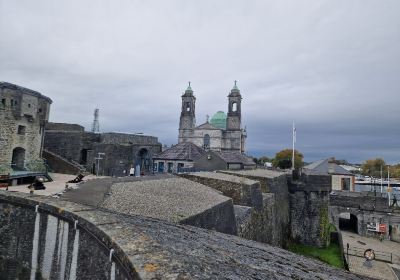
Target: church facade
(221, 134)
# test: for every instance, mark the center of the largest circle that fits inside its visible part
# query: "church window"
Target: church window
(187, 106)
(234, 107)
(206, 141)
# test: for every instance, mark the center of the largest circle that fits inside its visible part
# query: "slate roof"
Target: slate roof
(207, 125)
(182, 151)
(322, 167)
(235, 157)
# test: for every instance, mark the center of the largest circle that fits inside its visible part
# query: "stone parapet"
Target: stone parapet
(243, 191)
(107, 245)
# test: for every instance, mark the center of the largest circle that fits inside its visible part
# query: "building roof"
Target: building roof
(24, 90)
(207, 126)
(322, 167)
(234, 91)
(236, 157)
(188, 91)
(219, 120)
(182, 151)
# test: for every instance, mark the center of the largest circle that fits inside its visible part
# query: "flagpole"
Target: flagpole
(293, 139)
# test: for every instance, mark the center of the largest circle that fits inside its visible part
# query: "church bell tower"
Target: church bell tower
(187, 120)
(234, 116)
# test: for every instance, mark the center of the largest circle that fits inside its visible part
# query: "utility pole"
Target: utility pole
(381, 181)
(98, 158)
(388, 187)
(293, 142)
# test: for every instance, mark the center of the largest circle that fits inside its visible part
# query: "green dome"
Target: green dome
(219, 120)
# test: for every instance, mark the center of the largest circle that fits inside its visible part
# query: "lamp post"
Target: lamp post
(98, 158)
(381, 181)
(388, 182)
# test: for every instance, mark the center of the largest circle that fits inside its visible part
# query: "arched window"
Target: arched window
(206, 141)
(187, 106)
(234, 107)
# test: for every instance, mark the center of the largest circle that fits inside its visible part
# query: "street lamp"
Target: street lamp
(98, 158)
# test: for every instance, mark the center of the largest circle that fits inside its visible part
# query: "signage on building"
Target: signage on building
(376, 227)
(382, 228)
(373, 227)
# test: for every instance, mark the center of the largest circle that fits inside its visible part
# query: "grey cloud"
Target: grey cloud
(331, 66)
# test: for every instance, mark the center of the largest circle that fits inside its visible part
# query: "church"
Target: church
(217, 144)
(223, 133)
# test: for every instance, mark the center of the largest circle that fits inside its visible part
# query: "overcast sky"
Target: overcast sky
(332, 66)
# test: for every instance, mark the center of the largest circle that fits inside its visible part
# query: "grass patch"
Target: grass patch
(330, 255)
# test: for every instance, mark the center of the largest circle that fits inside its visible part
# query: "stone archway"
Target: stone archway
(18, 158)
(348, 222)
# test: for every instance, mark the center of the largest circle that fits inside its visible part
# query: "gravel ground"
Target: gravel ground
(224, 177)
(172, 199)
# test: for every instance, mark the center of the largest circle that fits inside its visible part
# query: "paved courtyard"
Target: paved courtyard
(52, 188)
(384, 251)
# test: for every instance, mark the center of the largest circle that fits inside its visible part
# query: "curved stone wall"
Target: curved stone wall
(41, 240)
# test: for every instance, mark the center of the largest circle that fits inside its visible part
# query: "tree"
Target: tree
(395, 171)
(372, 167)
(283, 159)
(264, 159)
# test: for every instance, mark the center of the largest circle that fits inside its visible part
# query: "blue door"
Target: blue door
(161, 167)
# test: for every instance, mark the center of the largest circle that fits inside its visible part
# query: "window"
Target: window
(345, 182)
(3, 102)
(234, 107)
(29, 105)
(180, 166)
(170, 167)
(21, 130)
(206, 140)
(187, 106)
(40, 110)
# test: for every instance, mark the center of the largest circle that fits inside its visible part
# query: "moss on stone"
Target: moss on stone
(324, 225)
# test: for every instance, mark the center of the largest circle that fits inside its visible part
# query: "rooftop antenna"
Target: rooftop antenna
(95, 125)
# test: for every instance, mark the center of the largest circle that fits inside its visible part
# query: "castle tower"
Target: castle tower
(187, 120)
(233, 120)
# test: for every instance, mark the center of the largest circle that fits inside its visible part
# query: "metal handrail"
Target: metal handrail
(379, 255)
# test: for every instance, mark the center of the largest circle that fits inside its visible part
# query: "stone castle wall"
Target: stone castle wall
(102, 245)
(23, 114)
(121, 150)
(309, 213)
(260, 216)
(64, 127)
